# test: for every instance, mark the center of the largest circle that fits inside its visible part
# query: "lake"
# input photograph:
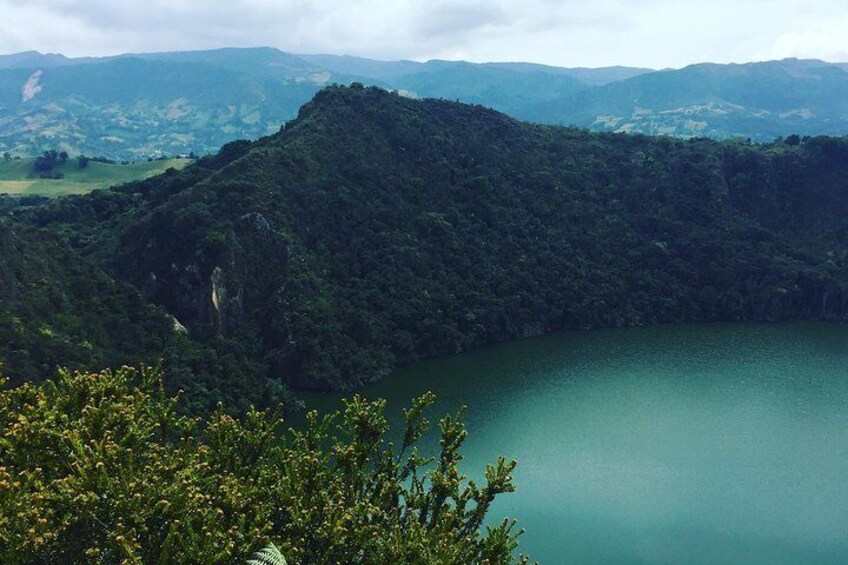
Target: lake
(712, 443)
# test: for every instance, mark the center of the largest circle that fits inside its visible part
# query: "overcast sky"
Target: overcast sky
(648, 33)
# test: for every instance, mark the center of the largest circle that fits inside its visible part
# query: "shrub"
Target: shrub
(102, 467)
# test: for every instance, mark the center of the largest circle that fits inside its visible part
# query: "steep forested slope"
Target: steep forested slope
(377, 229)
(58, 309)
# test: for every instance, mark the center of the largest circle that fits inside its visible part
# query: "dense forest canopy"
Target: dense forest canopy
(375, 230)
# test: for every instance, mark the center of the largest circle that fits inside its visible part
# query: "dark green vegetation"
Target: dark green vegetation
(57, 309)
(52, 175)
(375, 230)
(100, 468)
(142, 105)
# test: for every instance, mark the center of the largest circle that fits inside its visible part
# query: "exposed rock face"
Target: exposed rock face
(228, 308)
(31, 88)
(219, 295)
(259, 224)
(178, 327)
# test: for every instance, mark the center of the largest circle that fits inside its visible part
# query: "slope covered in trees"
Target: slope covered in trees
(375, 230)
(58, 309)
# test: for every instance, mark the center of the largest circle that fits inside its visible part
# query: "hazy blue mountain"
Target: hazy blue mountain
(387, 70)
(499, 88)
(30, 59)
(359, 66)
(128, 107)
(262, 61)
(507, 87)
(756, 100)
(138, 105)
(592, 77)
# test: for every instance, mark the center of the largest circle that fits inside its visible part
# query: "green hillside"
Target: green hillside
(760, 101)
(17, 176)
(376, 230)
(134, 106)
(129, 109)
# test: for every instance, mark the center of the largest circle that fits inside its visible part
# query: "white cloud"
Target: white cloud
(655, 33)
(826, 40)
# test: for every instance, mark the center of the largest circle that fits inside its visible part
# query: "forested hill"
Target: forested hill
(376, 229)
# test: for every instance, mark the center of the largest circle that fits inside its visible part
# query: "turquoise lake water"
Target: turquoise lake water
(716, 443)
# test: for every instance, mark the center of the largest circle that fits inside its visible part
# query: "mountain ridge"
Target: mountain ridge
(772, 97)
(170, 103)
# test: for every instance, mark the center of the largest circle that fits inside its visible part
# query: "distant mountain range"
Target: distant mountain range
(139, 105)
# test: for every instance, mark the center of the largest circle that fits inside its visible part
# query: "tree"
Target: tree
(7, 156)
(63, 157)
(46, 161)
(82, 160)
(102, 467)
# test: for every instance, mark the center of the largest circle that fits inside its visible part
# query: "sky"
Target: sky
(592, 33)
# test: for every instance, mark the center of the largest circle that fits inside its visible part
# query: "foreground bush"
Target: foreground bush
(101, 468)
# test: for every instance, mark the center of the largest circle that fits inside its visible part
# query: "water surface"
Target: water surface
(721, 443)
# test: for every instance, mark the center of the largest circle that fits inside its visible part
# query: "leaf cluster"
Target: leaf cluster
(102, 468)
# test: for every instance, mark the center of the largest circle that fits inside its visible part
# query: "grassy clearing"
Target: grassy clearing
(15, 176)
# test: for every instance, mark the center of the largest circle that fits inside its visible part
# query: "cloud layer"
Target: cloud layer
(651, 33)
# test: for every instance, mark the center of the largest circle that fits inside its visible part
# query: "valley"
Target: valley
(17, 177)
